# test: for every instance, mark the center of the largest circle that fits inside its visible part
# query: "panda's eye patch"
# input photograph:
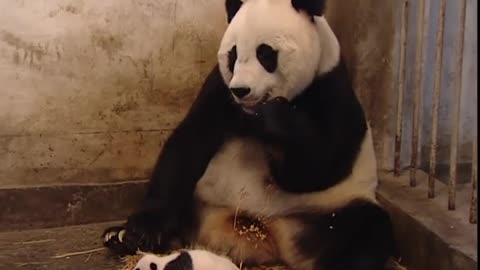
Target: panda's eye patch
(268, 57)
(232, 58)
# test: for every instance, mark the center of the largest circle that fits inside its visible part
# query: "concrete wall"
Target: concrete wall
(368, 31)
(89, 89)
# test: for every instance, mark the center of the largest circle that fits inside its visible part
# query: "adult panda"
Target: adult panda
(276, 135)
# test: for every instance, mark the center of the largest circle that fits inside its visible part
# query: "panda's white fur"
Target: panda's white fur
(236, 178)
(292, 33)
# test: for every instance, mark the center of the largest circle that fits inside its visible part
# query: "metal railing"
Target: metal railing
(417, 105)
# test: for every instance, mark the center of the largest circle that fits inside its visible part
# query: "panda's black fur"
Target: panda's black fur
(318, 135)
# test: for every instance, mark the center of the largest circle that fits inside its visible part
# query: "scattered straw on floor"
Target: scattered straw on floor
(251, 229)
(77, 253)
(129, 262)
(30, 263)
(33, 242)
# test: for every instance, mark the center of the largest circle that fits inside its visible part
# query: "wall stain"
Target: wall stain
(74, 207)
(16, 58)
(69, 8)
(31, 50)
(110, 43)
(122, 107)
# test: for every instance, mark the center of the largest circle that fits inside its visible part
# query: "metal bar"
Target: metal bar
(417, 98)
(473, 207)
(436, 98)
(401, 87)
(452, 183)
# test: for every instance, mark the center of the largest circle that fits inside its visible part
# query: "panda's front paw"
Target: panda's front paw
(274, 116)
(147, 231)
(113, 238)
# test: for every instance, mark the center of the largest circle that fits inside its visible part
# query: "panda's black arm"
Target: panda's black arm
(190, 147)
(320, 133)
(309, 162)
(315, 157)
(304, 155)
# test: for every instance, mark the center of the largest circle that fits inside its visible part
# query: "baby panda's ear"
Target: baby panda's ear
(312, 7)
(182, 262)
(232, 7)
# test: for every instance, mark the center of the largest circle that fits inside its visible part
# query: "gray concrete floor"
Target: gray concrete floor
(50, 249)
(430, 236)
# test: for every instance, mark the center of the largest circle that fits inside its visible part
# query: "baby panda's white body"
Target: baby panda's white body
(276, 138)
(186, 260)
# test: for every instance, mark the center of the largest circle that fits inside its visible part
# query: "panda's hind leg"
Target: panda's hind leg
(356, 237)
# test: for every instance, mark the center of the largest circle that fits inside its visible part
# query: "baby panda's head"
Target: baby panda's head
(275, 48)
(186, 260)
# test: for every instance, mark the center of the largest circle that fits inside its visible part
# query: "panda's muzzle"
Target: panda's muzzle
(250, 105)
(240, 92)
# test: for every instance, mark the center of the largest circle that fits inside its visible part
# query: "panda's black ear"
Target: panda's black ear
(232, 7)
(312, 7)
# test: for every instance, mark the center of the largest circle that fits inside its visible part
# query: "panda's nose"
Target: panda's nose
(240, 92)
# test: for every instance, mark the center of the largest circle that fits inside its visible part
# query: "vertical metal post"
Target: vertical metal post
(401, 86)
(452, 183)
(417, 98)
(473, 207)
(436, 98)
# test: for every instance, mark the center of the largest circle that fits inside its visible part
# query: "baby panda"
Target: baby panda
(274, 161)
(185, 260)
